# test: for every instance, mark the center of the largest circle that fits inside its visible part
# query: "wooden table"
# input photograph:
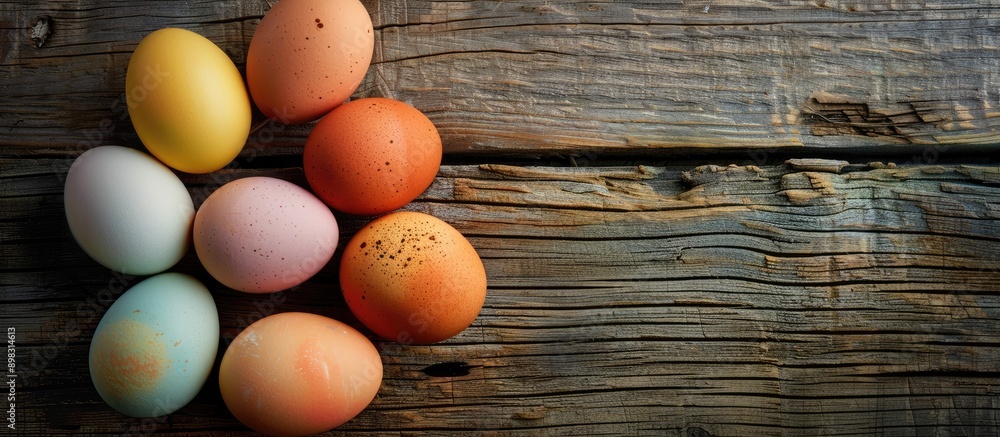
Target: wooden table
(729, 218)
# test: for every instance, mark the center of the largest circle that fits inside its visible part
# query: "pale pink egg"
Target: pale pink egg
(262, 235)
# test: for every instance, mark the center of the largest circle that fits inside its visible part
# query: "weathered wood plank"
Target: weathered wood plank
(810, 298)
(696, 74)
(570, 76)
(817, 297)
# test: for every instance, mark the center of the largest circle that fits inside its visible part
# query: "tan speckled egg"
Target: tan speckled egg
(262, 235)
(296, 374)
(412, 278)
(308, 56)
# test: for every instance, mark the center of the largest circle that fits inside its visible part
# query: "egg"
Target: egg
(128, 211)
(308, 56)
(412, 278)
(372, 156)
(155, 346)
(299, 374)
(187, 101)
(261, 234)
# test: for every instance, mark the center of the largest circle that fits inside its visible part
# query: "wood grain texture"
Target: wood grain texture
(815, 297)
(568, 76)
(830, 296)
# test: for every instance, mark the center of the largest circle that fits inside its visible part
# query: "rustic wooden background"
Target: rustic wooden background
(728, 218)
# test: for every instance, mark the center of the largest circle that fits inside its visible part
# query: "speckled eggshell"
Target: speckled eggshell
(412, 278)
(372, 156)
(262, 235)
(299, 374)
(155, 346)
(308, 56)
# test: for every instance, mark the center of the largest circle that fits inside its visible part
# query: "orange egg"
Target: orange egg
(308, 56)
(412, 278)
(372, 156)
(298, 374)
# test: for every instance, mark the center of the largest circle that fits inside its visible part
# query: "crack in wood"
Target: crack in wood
(828, 114)
(914, 122)
(448, 369)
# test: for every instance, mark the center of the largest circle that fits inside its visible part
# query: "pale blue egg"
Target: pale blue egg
(155, 347)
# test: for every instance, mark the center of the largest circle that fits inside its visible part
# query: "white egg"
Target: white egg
(156, 346)
(127, 210)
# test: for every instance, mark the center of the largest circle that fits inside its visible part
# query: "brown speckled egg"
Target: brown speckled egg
(308, 56)
(262, 235)
(299, 374)
(412, 278)
(372, 156)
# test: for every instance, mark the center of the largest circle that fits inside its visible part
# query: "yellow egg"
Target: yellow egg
(187, 101)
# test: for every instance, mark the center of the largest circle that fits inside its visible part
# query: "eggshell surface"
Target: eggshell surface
(308, 56)
(127, 211)
(187, 101)
(371, 156)
(299, 374)
(412, 278)
(155, 346)
(261, 234)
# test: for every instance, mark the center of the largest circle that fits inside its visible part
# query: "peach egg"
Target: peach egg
(299, 374)
(308, 56)
(412, 278)
(372, 156)
(261, 234)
